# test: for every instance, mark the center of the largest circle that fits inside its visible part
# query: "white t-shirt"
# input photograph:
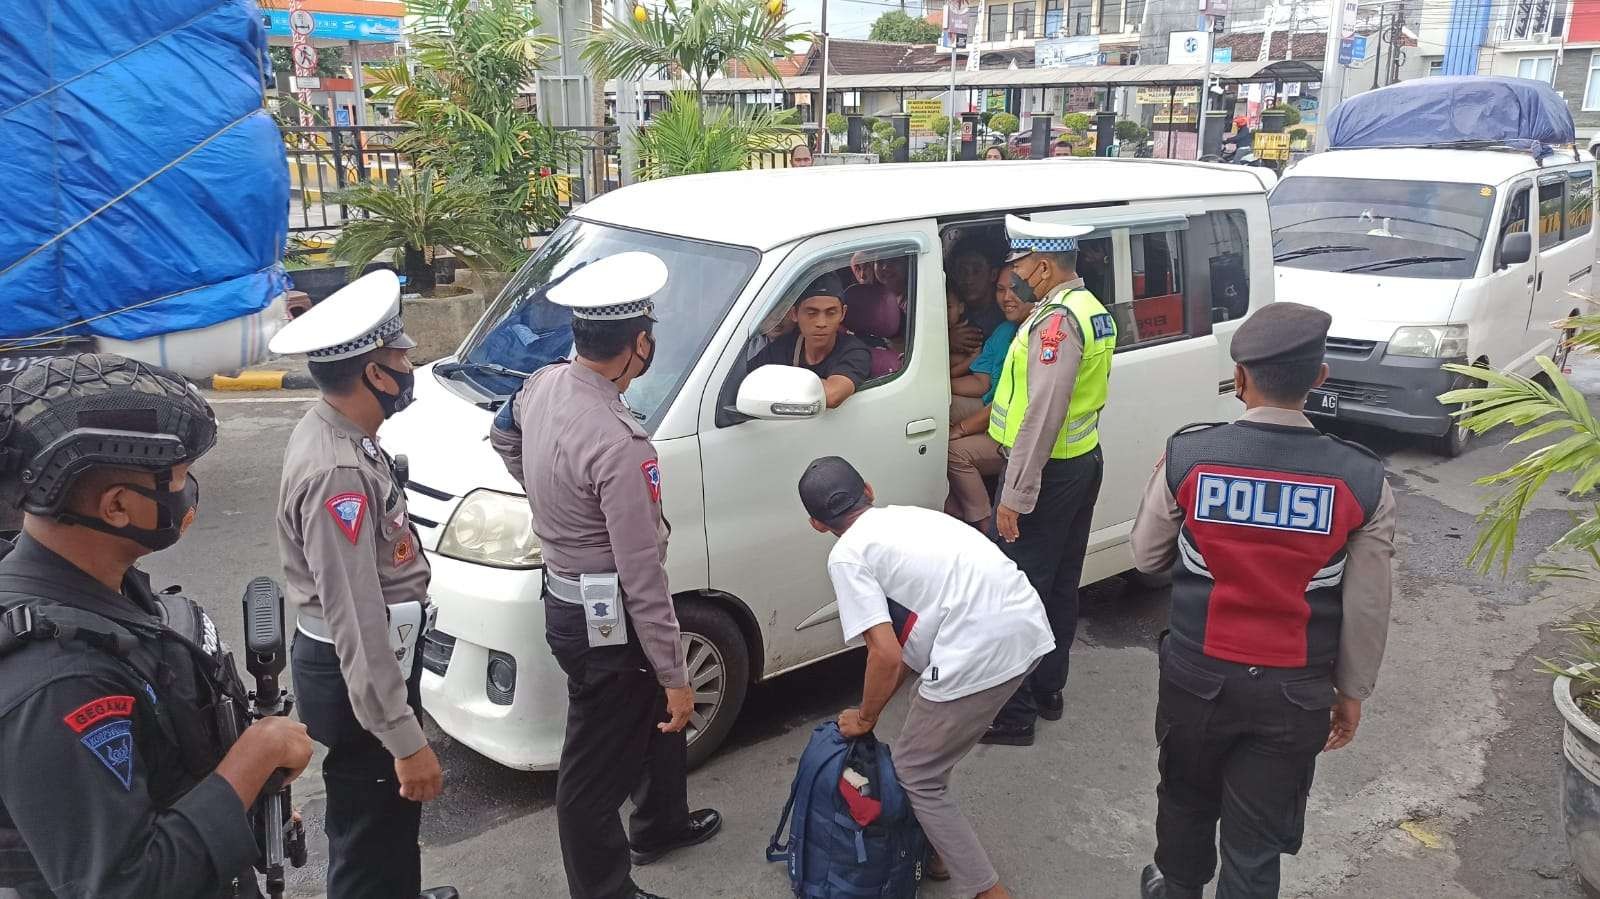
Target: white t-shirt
(965, 615)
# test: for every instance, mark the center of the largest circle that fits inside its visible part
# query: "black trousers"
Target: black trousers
(1239, 744)
(372, 830)
(612, 751)
(1051, 542)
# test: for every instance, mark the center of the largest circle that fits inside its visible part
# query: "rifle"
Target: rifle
(280, 832)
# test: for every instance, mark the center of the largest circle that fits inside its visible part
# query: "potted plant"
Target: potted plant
(1551, 411)
(687, 139)
(422, 213)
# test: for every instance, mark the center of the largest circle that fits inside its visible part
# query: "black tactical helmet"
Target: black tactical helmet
(63, 416)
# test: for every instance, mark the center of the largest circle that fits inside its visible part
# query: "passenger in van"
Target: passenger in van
(973, 454)
(969, 271)
(1094, 267)
(927, 595)
(861, 268)
(818, 342)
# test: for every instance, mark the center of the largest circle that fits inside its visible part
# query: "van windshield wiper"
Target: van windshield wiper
(1316, 251)
(1399, 261)
(491, 368)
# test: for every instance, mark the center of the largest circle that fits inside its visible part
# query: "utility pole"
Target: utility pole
(1377, 51)
(1203, 103)
(1332, 90)
(822, 83)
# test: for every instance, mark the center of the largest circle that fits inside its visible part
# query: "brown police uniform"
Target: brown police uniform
(594, 484)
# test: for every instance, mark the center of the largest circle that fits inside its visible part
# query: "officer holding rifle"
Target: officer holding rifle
(116, 704)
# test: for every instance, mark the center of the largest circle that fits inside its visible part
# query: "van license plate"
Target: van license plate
(1322, 402)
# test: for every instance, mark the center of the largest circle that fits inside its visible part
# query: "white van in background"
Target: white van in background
(1180, 255)
(1425, 256)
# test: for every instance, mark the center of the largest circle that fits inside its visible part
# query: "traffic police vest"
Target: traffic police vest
(1080, 432)
(1267, 511)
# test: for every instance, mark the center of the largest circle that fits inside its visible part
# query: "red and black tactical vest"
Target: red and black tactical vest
(1267, 511)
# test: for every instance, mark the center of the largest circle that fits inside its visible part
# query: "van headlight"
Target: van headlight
(492, 528)
(1430, 341)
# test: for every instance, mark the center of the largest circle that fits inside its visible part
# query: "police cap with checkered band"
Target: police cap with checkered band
(614, 288)
(1042, 237)
(360, 317)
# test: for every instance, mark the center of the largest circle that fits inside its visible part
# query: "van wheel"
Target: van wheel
(719, 672)
(1454, 442)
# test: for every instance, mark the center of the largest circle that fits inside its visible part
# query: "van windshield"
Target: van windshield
(1411, 229)
(523, 331)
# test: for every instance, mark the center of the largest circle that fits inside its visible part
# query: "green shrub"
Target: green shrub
(1004, 123)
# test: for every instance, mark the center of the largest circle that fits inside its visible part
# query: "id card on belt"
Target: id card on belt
(602, 609)
(405, 629)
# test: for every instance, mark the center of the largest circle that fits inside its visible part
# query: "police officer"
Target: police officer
(1279, 540)
(594, 485)
(116, 704)
(1046, 416)
(355, 574)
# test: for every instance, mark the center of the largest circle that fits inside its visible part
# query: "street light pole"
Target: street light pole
(1203, 105)
(1332, 89)
(822, 83)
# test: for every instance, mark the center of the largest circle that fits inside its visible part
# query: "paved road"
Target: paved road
(1449, 789)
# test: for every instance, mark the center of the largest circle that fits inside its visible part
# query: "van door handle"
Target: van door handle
(921, 426)
(1538, 283)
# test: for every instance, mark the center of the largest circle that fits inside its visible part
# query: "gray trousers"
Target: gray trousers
(935, 737)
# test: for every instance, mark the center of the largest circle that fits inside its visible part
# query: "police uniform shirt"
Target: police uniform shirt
(348, 549)
(1055, 350)
(1367, 585)
(594, 484)
(88, 777)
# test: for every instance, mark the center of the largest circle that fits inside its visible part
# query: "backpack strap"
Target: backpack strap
(777, 847)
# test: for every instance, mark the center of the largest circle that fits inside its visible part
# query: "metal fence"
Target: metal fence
(325, 160)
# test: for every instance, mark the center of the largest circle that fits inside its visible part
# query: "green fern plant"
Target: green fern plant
(420, 214)
(687, 139)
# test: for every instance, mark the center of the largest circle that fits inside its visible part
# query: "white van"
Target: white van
(1426, 256)
(1184, 249)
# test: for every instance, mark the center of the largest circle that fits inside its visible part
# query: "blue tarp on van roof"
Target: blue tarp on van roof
(145, 187)
(1453, 109)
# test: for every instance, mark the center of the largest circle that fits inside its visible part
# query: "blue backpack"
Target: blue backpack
(829, 855)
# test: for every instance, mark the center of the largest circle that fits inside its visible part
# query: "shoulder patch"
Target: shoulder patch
(652, 478)
(370, 448)
(95, 711)
(112, 744)
(1103, 324)
(348, 511)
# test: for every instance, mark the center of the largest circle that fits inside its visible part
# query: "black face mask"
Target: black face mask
(174, 511)
(392, 403)
(634, 350)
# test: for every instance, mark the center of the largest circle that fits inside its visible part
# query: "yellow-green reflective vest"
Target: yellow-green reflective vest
(1080, 432)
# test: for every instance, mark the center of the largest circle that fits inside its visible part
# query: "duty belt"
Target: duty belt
(566, 589)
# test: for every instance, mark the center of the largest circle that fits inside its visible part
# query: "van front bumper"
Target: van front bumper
(1399, 393)
(490, 633)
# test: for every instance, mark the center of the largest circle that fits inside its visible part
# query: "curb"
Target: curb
(264, 380)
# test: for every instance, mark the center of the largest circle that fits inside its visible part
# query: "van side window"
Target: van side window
(1551, 212)
(1159, 284)
(1580, 203)
(1514, 221)
(1224, 243)
(847, 318)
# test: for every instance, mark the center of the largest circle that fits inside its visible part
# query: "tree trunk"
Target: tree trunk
(418, 271)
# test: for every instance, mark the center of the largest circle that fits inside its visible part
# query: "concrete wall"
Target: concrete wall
(1571, 75)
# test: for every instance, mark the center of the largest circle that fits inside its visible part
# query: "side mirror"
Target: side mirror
(1516, 249)
(778, 392)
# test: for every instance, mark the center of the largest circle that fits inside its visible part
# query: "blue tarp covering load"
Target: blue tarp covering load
(145, 189)
(1453, 109)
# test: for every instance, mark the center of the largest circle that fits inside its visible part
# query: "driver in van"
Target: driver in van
(594, 485)
(819, 343)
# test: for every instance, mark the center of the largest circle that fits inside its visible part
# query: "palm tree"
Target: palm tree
(462, 94)
(420, 214)
(685, 138)
(695, 38)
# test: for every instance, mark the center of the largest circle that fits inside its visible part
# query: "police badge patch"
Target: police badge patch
(348, 511)
(112, 744)
(370, 448)
(652, 479)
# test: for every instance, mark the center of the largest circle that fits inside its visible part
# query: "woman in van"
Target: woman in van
(974, 455)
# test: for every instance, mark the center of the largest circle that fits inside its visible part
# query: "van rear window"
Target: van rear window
(1409, 229)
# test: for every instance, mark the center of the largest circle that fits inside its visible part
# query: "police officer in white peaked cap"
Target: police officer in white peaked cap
(595, 486)
(355, 572)
(1046, 417)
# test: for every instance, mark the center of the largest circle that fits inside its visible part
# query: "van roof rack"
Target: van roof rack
(1538, 150)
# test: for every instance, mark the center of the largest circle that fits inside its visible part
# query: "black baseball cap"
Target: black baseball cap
(831, 488)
